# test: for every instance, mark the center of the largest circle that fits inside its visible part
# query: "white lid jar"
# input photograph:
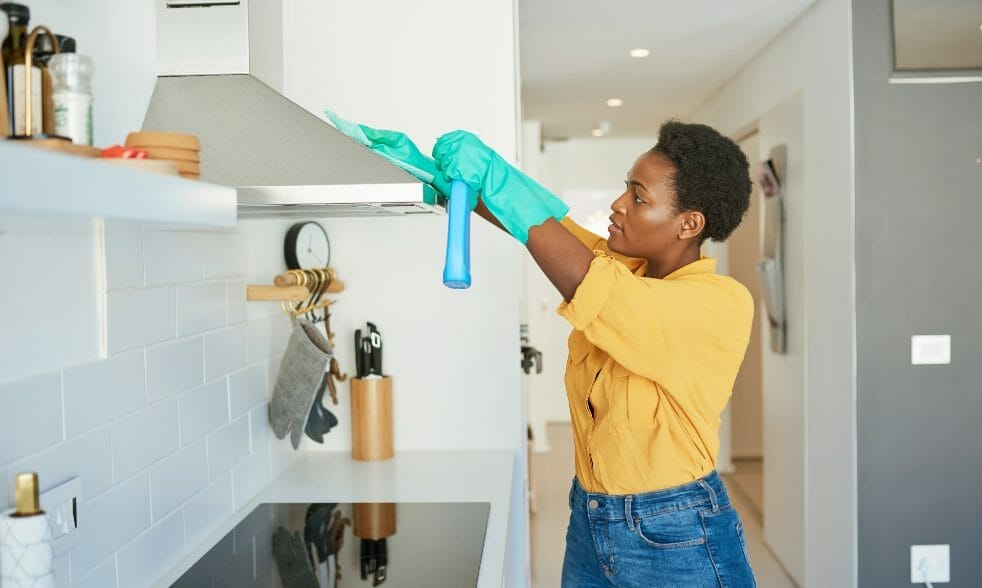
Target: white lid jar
(71, 82)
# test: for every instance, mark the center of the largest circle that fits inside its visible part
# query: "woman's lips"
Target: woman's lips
(615, 230)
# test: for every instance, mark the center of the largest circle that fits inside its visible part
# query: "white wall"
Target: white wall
(169, 432)
(394, 266)
(799, 90)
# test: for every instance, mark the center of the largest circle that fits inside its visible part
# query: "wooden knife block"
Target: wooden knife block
(371, 418)
(374, 520)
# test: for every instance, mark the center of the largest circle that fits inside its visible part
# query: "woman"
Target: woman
(657, 341)
(658, 338)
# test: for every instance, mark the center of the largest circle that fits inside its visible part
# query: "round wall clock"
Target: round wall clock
(307, 246)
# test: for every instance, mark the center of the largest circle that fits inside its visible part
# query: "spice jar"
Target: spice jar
(71, 76)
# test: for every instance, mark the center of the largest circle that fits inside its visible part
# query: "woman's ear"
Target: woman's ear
(693, 223)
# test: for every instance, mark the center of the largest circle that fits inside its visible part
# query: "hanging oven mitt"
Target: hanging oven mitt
(301, 371)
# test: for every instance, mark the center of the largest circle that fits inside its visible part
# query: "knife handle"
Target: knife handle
(376, 352)
(457, 267)
(359, 355)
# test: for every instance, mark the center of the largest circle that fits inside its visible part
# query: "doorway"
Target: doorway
(746, 404)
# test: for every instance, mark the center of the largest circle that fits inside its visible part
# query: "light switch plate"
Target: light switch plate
(930, 350)
(61, 505)
(930, 563)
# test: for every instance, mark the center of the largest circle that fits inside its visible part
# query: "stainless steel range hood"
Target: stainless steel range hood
(283, 160)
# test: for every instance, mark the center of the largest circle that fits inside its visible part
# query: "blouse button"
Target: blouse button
(593, 504)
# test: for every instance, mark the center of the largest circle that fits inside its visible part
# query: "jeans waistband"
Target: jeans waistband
(708, 491)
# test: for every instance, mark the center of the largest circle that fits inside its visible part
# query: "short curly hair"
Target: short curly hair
(712, 175)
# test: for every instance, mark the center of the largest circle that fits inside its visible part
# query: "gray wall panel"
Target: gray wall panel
(919, 271)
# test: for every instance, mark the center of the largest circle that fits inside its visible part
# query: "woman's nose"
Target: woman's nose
(618, 205)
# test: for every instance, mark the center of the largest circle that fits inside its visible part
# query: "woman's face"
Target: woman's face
(645, 223)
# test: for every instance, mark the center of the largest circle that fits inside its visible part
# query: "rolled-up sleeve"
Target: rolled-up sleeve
(647, 324)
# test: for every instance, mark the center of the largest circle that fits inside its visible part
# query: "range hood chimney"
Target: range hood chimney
(283, 160)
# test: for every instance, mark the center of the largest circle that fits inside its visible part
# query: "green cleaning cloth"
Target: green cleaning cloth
(396, 148)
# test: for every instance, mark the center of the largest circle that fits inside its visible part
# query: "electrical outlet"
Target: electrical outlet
(930, 563)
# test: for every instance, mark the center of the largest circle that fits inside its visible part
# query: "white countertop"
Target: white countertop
(411, 476)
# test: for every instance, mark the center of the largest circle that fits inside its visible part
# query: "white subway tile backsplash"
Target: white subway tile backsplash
(172, 256)
(224, 255)
(206, 510)
(99, 392)
(4, 491)
(259, 428)
(203, 410)
(260, 345)
(250, 476)
(173, 368)
(144, 437)
(268, 337)
(236, 303)
(279, 335)
(225, 351)
(102, 576)
(150, 555)
(88, 457)
(178, 477)
(62, 567)
(200, 307)
(282, 454)
(124, 255)
(246, 389)
(176, 414)
(137, 318)
(30, 416)
(127, 505)
(227, 446)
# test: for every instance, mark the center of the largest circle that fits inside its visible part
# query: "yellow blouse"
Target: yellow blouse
(651, 366)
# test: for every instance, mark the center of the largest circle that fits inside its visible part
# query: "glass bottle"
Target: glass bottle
(14, 59)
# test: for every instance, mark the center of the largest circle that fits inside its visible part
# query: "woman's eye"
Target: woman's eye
(638, 199)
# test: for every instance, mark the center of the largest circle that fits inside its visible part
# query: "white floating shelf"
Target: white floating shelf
(39, 182)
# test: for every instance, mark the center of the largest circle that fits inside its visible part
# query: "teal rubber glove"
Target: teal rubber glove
(397, 148)
(516, 200)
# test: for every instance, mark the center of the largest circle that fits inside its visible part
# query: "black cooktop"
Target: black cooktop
(322, 545)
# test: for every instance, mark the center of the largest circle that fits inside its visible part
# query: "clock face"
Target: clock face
(307, 246)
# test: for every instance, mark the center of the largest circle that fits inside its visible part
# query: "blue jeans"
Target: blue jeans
(683, 536)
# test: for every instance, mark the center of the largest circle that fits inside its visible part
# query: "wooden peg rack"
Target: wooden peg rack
(287, 287)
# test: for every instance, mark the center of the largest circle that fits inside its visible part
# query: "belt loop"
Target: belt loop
(628, 516)
(712, 494)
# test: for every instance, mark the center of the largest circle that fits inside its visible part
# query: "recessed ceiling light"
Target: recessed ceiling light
(614, 102)
(640, 53)
(597, 132)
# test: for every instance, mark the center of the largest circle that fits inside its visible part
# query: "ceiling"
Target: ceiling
(575, 55)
